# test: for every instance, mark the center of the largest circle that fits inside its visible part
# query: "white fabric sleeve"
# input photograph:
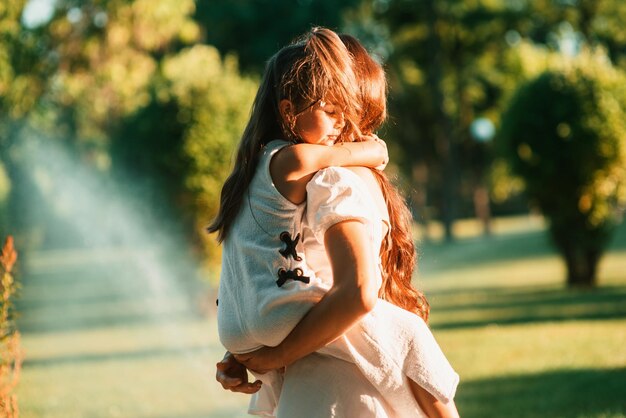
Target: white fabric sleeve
(336, 194)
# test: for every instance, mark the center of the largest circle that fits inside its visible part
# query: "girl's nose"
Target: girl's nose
(341, 122)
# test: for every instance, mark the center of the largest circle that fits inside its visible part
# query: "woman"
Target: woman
(350, 229)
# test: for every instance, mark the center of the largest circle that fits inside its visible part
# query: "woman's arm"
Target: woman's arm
(293, 166)
(353, 295)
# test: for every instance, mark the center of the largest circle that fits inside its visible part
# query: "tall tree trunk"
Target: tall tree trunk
(587, 9)
(582, 266)
(444, 140)
(481, 207)
(419, 198)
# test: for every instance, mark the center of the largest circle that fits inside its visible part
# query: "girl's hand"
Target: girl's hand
(383, 149)
(262, 360)
(233, 376)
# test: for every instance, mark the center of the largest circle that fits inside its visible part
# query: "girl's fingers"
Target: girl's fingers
(228, 382)
(248, 388)
(248, 362)
(221, 366)
(229, 385)
(242, 358)
(243, 361)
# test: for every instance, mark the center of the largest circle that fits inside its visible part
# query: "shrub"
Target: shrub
(564, 133)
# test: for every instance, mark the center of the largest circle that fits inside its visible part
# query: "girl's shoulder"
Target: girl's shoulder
(269, 152)
(263, 185)
(274, 146)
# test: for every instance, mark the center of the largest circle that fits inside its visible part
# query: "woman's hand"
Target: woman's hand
(263, 360)
(233, 376)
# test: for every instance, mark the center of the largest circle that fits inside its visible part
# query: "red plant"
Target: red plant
(10, 351)
(8, 256)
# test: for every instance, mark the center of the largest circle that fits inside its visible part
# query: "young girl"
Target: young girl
(250, 313)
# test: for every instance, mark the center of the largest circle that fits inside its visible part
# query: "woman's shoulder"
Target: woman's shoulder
(364, 173)
(369, 179)
(341, 175)
(336, 194)
(374, 188)
(345, 177)
(360, 180)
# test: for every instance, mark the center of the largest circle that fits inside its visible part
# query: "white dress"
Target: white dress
(371, 363)
(384, 348)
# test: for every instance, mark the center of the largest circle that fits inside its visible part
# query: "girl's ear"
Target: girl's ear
(285, 107)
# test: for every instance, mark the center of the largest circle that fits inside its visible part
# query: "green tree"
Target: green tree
(564, 132)
(23, 81)
(445, 72)
(256, 29)
(22, 75)
(135, 101)
(217, 100)
(183, 140)
(117, 84)
(107, 53)
(450, 62)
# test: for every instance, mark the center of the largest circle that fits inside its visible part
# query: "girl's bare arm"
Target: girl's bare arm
(293, 166)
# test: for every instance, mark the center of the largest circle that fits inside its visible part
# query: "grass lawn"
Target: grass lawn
(104, 336)
(523, 344)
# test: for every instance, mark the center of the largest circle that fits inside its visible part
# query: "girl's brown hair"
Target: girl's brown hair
(318, 66)
(397, 252)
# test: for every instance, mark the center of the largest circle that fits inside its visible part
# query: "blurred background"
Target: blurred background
(118, 122)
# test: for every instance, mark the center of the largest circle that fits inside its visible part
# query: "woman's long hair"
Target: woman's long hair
(316, 67)
(397, 251)
(397, 254)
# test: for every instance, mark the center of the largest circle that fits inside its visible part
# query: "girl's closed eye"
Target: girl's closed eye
(329, 108)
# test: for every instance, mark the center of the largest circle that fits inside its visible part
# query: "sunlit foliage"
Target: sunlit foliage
(451, 62)
(108, 53)
(255, 30)
(21, 83)
(183, 139)
(216, 101)
(138, 89)
(120, 85)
